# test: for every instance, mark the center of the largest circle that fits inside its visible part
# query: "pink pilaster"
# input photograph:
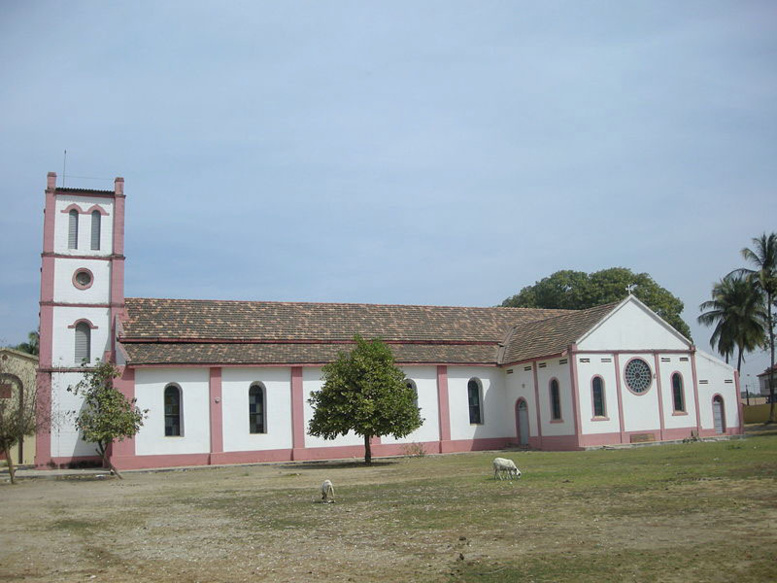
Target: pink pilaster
(619, 392)
(43, 435)
(297, 414)
(575, 395)
(535, 375)
(695, 380)
(662, 427)
(444, 409)
(124, 450)
(216, 413)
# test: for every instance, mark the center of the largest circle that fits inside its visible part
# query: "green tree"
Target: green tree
(32, 346)
(763, 276)
(364, 392)
(737, 312)
(107, 415)
(577, 290)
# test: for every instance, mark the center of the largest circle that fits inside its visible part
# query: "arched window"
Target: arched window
(83, 343)
(72, 230)
(173, 409)
(555, 401)
(597, 393)
(411, 385)
(96, 220)
(474, 398)
(678, 393)
(256, 409)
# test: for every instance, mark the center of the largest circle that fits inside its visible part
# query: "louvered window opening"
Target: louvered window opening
(96, 225)
(83, 343)
(72, 230)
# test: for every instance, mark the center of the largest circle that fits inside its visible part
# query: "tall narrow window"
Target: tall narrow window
(411, 385)
(256, 418)
(555, 401)
(597, 390)
(678, 393)
(473, 396)
(72, 230)
(96, 219)
(83, 343)
(172, 411)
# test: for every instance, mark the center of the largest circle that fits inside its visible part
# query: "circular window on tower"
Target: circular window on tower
(638, 376)
(83, 278)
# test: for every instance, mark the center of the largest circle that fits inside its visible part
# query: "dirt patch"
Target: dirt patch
(437, 518)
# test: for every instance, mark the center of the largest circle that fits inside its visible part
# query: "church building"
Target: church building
(228, 381)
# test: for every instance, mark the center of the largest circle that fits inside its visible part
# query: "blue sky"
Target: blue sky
(444, 153)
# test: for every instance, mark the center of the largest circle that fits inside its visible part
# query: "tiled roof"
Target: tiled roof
(299, 354)
(197, 332)
(552, 335)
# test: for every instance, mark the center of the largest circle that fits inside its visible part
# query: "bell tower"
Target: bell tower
(82, 295)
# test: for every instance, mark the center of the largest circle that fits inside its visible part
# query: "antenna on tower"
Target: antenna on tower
(64, 167)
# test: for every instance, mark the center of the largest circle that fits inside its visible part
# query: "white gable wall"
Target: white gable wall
(630, 327)
(601, 365)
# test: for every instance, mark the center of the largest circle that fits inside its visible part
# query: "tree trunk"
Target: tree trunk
(367, 450)
(11, 468)
(104, 454)
(771, 364)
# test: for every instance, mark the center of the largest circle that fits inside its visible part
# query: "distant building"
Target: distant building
(763, 380)
(228, 381)
(17, 383)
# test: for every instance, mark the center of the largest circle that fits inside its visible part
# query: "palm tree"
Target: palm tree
(736, 310)
(763, 257)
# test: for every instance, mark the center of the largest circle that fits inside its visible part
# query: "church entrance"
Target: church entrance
(718, 414)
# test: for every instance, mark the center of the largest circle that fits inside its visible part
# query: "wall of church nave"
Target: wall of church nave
(150, 387)
(66, 440)
(589, 368)
(716, 378)
(547, 371)
(492, 403)
(670, 366)
(275, 384)
(85, 206)
(425, 380)
(311, 381)
(64, 334)
(66, 290)
(520, 385)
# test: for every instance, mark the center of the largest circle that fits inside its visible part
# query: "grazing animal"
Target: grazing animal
(504, 466)
(327, 492)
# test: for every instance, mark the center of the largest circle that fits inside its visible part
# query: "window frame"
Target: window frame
(554, 393)
(475, 409)
(259, 387)
(170, 387)
(82, 352)
(72, 229)
(678, 391)
(598, 416)
(626, 380)
(96, 231)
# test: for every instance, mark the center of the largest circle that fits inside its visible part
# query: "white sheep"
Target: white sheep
(327, 492)
(504, 466)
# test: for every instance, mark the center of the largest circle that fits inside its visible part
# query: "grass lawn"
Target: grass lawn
(690, 512)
